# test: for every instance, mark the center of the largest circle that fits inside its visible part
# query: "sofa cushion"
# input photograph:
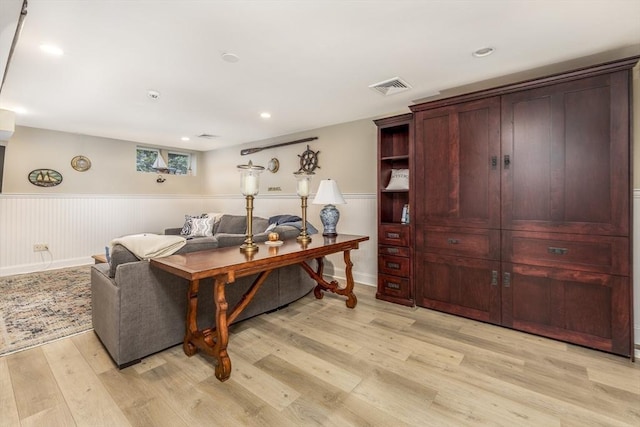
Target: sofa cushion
(199, 244)
(232, 224)
(237, 224)
(120, 255)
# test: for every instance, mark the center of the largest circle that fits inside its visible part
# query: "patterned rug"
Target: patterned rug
(41, 307)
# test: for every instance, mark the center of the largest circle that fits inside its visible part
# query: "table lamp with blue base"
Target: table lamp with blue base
(329, 195)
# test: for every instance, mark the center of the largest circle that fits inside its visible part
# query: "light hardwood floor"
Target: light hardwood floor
(319, 363)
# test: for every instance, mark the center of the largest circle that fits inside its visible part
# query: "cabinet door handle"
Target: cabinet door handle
(494, 162)
(453, 241)
(494, 278)
(557, 251)
(393, 250)
(393, 235)
(507, 161)
(393, 265)
(506, 279)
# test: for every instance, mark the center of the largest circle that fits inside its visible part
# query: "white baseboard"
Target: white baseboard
(358, 277)
(44, 266)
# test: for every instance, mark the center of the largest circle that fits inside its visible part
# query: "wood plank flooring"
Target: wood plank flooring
(318, 363)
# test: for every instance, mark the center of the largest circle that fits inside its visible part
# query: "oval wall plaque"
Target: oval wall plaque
(45, 177)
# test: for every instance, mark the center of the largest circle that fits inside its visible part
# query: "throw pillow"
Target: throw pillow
(201, 227)
(216, 219)
(186, 228)
(399, 179)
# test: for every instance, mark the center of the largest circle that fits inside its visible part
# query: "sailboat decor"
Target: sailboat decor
(45, 177)
(160, 166)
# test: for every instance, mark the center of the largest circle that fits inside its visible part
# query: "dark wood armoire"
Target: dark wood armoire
(521, 206)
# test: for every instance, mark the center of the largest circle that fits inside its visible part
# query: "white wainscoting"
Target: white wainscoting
(77, 226)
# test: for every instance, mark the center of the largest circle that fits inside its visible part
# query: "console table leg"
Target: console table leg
(348, 291)
(192, 314)
(317, 291)
(323, 285)
(223, 368)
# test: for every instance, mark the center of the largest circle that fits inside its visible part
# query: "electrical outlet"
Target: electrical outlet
(40, 247)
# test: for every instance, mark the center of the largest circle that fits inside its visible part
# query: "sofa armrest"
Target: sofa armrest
(172, 231)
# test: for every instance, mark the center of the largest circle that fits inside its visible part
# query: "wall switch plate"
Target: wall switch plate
(40, 247)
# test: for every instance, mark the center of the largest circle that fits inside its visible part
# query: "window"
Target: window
(145, 158)
(179, 163)
(151, 160)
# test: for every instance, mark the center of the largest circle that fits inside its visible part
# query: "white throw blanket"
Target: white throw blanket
(146, 246)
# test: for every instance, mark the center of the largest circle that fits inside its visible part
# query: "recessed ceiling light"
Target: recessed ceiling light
(485, 51)
(185, 138)
(230, 57)
(265, 115)
(153, 95)
(51, 49)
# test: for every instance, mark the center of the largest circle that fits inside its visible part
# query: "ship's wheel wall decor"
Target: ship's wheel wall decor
(308, 160)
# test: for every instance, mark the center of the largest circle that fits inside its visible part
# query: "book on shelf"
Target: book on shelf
(405, 214)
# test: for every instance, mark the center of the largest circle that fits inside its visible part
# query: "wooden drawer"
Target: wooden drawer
(394, 287)
(467, 242)
(394, 235)
(393, 250)
(394, 265)
(601, 254)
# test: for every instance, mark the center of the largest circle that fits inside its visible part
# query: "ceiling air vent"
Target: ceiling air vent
(391, 86)
(207, 136)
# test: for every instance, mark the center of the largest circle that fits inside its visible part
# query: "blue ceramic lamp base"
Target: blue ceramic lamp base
(329, 216)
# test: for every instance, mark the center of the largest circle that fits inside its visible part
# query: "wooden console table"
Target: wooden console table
(224, 265)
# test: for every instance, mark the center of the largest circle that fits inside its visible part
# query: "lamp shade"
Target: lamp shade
(328, 194)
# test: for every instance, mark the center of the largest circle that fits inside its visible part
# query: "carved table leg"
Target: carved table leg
(192, 314)
(317, 291)
(348, 291)
(223, 368)
(323, 285)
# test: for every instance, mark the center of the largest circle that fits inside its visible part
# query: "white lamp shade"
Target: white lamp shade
(328, 194)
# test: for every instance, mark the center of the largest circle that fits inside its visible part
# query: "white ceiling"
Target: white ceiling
(309, 63)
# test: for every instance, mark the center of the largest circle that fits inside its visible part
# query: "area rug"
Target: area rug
(41, 307)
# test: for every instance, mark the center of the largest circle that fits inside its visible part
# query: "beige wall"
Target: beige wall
(113, 167)
(347, 154)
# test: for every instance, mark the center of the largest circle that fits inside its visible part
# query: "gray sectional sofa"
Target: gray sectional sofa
(138, 310)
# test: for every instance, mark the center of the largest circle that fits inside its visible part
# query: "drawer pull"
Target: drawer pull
(393, 235)
(557, 251)
(453, 241)
(494, 278)
(392, 285)
(393, 265)
(393, 250)
(506, 279)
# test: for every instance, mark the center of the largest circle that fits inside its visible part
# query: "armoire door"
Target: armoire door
(590, 309)
(565, 157)
(468, 287)
(457, 148)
